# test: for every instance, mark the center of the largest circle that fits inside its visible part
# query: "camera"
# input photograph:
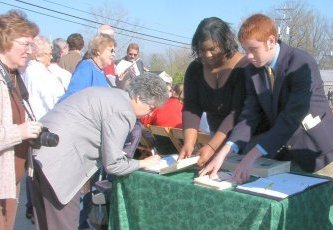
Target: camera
(45, 138)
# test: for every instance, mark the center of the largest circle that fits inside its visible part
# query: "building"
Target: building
(327, 77)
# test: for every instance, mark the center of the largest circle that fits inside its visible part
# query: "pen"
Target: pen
(153, 151)
(269, 186)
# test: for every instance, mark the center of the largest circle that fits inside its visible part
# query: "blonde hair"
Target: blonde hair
(14, 24)
(41, 46)
(99, 44)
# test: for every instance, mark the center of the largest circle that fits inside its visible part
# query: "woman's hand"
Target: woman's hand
(186, 151)
(30, 129)
(206, 152)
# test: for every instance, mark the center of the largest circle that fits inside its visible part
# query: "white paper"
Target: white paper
(223, 181)
(169, 164)
(122, 66)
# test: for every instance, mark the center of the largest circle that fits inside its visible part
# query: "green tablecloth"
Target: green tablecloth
(150, 201)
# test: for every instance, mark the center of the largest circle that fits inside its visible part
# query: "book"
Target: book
(262, 167)
(220, 183)
(169, 164)
(281, 186)
(124, 65)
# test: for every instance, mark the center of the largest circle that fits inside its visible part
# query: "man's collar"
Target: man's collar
(277, 52)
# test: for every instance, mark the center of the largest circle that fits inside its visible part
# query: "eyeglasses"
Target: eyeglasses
(26, 45)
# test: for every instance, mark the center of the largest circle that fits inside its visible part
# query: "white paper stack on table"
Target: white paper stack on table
(262, 167)
(220, 183)
(169, 164)
(280, 186)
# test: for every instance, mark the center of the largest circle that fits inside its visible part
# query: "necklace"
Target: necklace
(217, 80)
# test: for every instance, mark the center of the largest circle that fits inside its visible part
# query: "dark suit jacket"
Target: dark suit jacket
(297, 92)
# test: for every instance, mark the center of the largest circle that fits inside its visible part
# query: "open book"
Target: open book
(262, 167)
(169, 164)
(124, 65)
(280, 186)
(221, 182)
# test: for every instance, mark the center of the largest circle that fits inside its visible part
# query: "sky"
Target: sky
(174, 21)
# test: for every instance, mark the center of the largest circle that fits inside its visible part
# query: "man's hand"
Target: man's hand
(122, 75)
(214, 166)
(242, 170)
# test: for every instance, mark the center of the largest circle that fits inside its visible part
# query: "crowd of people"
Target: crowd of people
(255, 103)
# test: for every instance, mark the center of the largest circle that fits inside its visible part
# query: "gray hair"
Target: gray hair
(41, 45)
(151, 89)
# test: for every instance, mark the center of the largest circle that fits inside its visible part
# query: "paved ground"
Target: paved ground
(22, 223)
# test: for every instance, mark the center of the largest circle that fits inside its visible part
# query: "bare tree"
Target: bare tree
(178, 60)
(125, 27)
(157, 62)
(302, 27)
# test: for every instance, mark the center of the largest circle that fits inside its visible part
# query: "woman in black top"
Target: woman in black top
(215, 84)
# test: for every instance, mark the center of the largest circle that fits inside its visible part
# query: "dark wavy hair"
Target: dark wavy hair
(218, 31)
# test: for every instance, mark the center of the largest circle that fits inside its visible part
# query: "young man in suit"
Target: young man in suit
(92, 126)
(283, 100)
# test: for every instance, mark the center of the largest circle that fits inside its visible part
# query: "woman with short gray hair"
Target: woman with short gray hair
(44, 88)
(92, 125)
(149, 88)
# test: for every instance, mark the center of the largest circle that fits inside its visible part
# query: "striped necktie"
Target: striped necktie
(271, 76)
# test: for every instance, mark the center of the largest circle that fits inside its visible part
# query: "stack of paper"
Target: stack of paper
(263, 167)
(169, 164)
(221, 182)
(281, 186)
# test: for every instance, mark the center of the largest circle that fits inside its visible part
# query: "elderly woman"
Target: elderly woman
(215, 84)
(43, 86)
(89, 72)
(16, 37)
(100, 119)
(61, 74)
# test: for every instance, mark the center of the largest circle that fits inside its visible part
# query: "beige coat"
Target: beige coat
(9, 136)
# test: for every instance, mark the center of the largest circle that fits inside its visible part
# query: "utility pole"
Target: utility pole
(282, 22)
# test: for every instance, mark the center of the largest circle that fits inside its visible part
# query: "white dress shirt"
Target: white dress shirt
(43, 87)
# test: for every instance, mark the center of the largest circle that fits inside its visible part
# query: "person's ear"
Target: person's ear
(271, 42)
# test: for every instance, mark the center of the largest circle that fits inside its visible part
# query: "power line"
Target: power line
(117, 20)
(88, 20)
(121, 33)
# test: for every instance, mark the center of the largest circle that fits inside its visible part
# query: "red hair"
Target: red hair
(258, 27)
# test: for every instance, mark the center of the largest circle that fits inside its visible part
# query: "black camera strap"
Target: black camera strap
(23, 95)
